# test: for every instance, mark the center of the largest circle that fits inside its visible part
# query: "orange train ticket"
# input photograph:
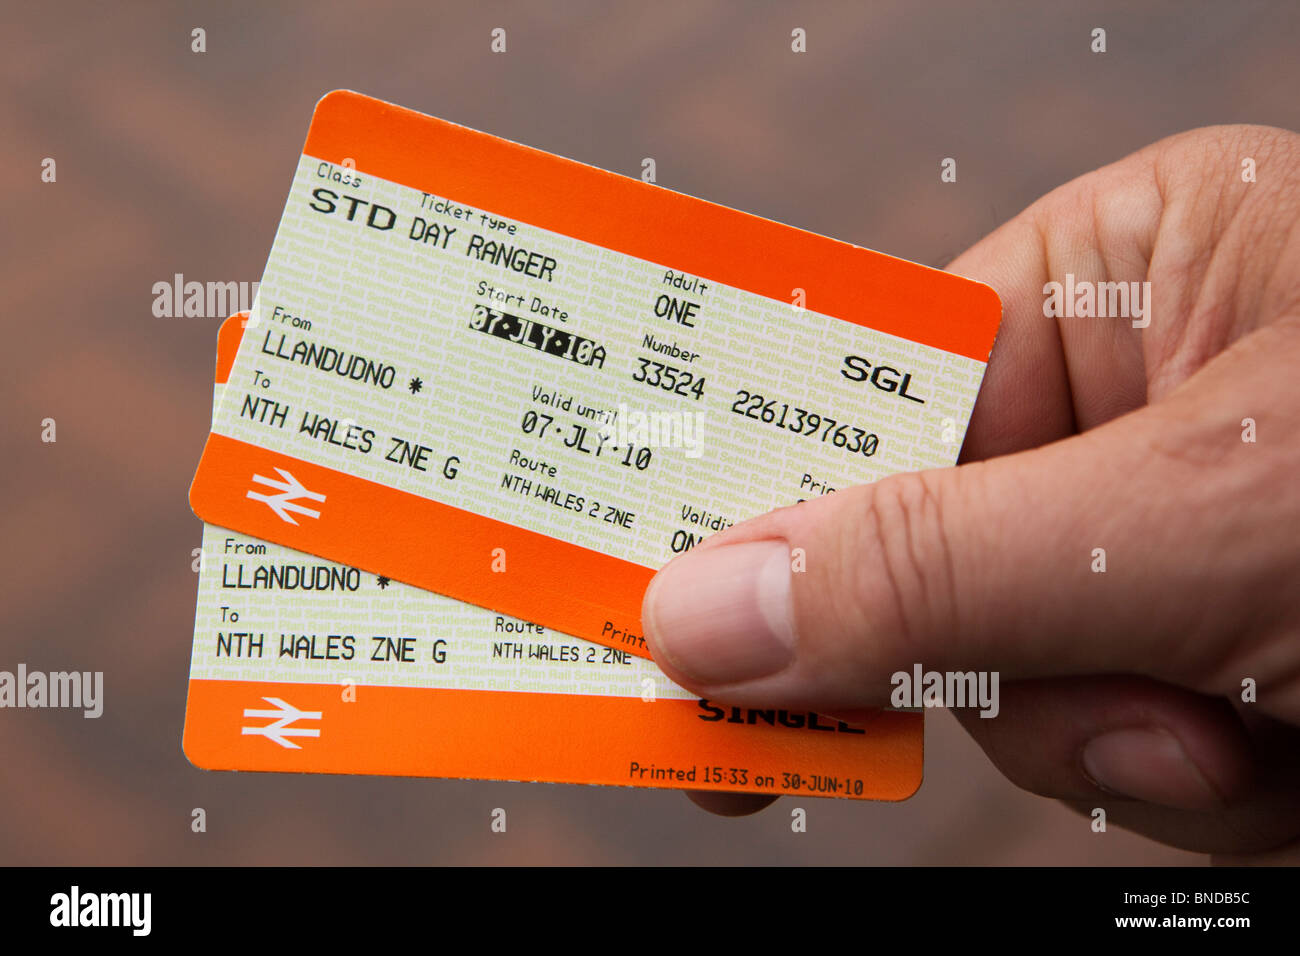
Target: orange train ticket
(526, 383)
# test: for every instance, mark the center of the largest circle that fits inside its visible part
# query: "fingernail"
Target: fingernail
(724, 615)
(1149, 764)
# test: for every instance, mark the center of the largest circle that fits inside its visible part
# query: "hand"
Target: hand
(1120, 689)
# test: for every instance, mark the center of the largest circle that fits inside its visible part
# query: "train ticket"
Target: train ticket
(301, 664)
(526, 383)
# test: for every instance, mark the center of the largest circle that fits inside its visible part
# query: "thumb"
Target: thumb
(1118, 550)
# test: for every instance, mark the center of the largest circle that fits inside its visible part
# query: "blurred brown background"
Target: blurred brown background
(171, 161)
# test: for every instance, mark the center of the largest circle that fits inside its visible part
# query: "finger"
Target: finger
(1288, 855)
(1216, 261)
(1102, 737)
(1042, 382)
(1077, 558)
(1174, 766)
(729, 804)
(1262, 823)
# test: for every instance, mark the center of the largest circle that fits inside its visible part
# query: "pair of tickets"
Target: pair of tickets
(483, 394)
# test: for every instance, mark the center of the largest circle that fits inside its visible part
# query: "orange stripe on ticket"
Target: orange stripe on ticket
(563, 738)
(419, 541)
(228, 339)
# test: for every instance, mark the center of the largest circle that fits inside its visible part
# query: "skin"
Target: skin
(1090, 433)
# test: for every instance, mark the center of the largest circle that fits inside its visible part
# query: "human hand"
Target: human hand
(1120, 689)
